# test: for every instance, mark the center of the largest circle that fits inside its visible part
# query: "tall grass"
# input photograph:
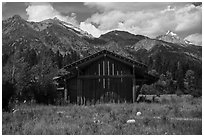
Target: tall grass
(105, 119)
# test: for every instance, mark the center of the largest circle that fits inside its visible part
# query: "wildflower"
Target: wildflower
(139, 113)
(131, 121)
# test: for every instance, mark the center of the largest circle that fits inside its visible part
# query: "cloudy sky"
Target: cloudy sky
(149, 18)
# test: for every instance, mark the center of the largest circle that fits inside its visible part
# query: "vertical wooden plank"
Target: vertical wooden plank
(81, 97)
(103, 73)
(121, 73)
(96, 68)
(110, 64)
(99, 70)
(118, 89)
(133, 84)
(108, 79)
(65, 95)
(106, 73)
(113, 69)
(103, 67)
(78, 94)
(95, 90)
(105, 81)
(108, 68)
(65, 90)
(84, 91)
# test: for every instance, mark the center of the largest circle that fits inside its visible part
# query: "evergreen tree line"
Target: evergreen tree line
(175, 77)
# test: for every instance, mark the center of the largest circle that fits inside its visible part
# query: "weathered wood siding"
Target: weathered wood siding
(105, 80)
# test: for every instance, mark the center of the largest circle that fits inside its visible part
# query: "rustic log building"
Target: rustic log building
(103, 77)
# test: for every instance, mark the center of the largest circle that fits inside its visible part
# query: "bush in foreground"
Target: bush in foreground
(8, 90)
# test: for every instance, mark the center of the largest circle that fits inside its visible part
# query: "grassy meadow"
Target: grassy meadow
(173, 115)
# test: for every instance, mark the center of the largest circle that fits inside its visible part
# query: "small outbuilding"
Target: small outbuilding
(103, 77)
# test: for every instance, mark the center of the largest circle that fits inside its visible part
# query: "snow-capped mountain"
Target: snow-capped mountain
(82, 32)
(170, 33)
(173, 38)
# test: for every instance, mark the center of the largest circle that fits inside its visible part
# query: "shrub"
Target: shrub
(8, 90)
(196, 93)
(179, 92)
(45, 93)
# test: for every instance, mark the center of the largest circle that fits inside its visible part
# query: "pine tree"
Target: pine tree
(59, 59)
(170, 83)
(43, 87)
(158, 64)
(24, 82)
(190, 81)
(150, 63)
(179, 78)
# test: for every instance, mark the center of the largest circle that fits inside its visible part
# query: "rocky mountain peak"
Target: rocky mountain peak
(55, 18)
(16, 17)
(171, 33)
(172, 37)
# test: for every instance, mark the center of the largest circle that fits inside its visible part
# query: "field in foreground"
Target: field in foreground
(173, 115)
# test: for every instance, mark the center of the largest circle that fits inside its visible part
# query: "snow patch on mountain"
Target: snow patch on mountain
(84, 33)
(173, 38)
(171, 33)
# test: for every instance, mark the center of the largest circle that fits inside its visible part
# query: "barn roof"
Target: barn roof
(84, 61)
(103, 53)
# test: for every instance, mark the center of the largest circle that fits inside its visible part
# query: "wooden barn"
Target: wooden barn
(103, 77)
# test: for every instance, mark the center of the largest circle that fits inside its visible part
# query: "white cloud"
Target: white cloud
(195, 38)
(146, 22)
(41, 11)
(188, 17)
(169, 8)
(150, 19)
(129, 6)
